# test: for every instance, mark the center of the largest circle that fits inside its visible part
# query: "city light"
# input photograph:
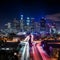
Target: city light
(29, 30)
(21, 17)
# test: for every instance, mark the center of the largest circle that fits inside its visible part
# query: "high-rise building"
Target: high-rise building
(28, 21)
(37, 27)
(32, 24)
(22, 23)
(16, 23)
(8, 25)
(28, 26)
(43, 24)
(8, 28)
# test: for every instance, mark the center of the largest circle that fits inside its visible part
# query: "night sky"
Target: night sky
(10, 9)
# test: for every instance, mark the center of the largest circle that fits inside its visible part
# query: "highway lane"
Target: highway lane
(44, 55)
(38, 53)
(24, 51)
(35, 54)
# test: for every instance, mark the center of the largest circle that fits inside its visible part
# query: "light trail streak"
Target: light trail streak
(35, 55)
(43, 53)
(25, 53)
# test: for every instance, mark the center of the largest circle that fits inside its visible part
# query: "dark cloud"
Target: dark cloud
(53, 17)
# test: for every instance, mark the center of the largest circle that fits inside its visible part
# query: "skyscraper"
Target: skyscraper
(37, 27)
(22, 23)
(8, 25)
(28, 21)
(43, 24)
(32, 24)
(28, 26)
(16, 23)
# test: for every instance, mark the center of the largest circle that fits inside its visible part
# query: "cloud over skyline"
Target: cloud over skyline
(53, 17)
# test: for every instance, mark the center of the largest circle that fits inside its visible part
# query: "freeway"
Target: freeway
(38, 53)
(24, 51)
(35, 54)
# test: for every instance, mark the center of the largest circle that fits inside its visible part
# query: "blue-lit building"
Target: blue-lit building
(21, 23)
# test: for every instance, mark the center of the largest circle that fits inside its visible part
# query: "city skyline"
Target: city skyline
(10, 9)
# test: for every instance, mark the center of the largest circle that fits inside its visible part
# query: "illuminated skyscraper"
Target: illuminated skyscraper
(37, 27)
(22, 23)
(21, 17)
(16, 23)
(8, 28)
(32, 24)
(8, 25)
(28, 24)
(43, 24)
(28, 21)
